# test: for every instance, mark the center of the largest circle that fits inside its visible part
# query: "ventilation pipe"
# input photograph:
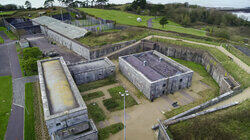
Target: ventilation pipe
(145, 63)
(160, 59)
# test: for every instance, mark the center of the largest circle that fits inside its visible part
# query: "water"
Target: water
(245, 15)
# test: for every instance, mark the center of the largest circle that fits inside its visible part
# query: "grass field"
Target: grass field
(93, 95)
(29, 121)
(171, 26)
(118, 16)
(96, 84)
(5, 103)
(104, 133)
(95, 112)
(115, 36)
(1, 40)
(116, 102)
(231, 124)
(7, 13)
(8, 33)
(238, 73)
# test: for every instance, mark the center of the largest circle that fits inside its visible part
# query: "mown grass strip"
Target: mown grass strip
(5, 103)
(95, 112)
(104, 133)
(93, 95)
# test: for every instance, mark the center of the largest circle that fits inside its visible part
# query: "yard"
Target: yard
(95, 112)
(117, 101)
(5, 103)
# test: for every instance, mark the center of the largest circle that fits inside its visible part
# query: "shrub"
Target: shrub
(33, 52)
(30, 66)
(110, 104)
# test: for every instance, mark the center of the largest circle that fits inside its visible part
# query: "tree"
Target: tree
(33, 52)
(164, 21)
(48, 3)
(28, 4)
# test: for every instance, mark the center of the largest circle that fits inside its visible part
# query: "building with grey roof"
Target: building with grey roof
(155, 74)
(65, 112)
(68, 30)
(92, 70)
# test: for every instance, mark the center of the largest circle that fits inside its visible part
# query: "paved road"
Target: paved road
(16, 121)
(4, 62)
(14, 62)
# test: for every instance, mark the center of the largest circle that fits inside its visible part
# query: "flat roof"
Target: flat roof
(68, 30)
(60, 95)
(90, 65)
(157, 67)
(59, 92)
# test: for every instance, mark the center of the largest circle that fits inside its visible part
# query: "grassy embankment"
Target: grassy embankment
(95, 112)
(104, 133)
(29, 121)
(5, 103)
(244, 58)
(116, 102)
(238, 73)
(8, 33)
(131, 19)
(96, 84)
(7, 13)
(231, 124)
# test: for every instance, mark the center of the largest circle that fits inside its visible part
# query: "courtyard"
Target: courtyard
(142, 115)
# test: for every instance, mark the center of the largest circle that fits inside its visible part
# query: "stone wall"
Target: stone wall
(65, 41)
(100, 51)
(81, 76)
(212, 66)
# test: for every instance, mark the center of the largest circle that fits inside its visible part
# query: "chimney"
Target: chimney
(145, 63)
(160, 59)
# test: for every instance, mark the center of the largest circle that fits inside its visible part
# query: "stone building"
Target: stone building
(65, 112)
(92, 70)
(154, 74)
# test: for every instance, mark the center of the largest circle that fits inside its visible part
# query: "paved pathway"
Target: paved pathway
(4, 62)
(14, 62)
(150, 22)
(16, 121)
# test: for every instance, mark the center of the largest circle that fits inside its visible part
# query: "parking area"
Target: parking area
(40, 41)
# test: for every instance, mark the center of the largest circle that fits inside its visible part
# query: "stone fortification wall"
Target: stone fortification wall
(100, 51)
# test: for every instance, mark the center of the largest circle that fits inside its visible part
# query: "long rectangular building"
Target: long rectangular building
(155, 74)
(65, 112)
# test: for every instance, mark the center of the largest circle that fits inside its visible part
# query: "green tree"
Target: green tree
(28, 4)
(48, 3)
(30, 66)
(33, 52)
(164, 21)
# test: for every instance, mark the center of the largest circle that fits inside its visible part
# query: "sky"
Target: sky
(207, 3)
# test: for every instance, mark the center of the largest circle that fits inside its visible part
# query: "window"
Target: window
(180, 80)
(163, 91)
(164, 85)
(58, 124)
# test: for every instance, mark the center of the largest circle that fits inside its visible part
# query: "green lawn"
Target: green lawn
(1, 40)
(7, 13)
(95, 112)
(229, 124)
(93, 95)
(96, 84)
(5, 103)
(118, 16)
(116, 102)
(104, 133)
(171, 26)
(8, 33)
(29, 121)
(238, 73)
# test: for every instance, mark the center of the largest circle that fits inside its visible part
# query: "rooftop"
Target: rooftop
(68, 30)
(153, 66)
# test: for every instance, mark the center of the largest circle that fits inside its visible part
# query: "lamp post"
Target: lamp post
(124, 95)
